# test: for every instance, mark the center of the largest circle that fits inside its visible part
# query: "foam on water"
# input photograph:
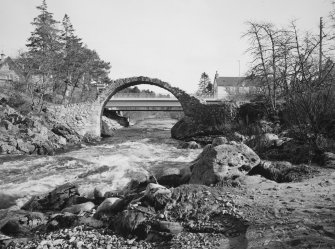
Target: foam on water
(108, 164)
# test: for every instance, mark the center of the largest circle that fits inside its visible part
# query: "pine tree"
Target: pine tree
(205, 86)
(44, 49)
(70, 70)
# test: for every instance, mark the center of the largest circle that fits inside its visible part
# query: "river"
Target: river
(134, 151)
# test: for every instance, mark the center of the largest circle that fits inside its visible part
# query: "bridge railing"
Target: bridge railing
(141, 95)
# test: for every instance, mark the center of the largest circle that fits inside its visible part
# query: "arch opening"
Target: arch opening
(116, 87)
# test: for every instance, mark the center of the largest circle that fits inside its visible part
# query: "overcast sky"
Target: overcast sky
(173, 40)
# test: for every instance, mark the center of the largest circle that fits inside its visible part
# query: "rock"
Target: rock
(216, 163)
(7, 200)
(90, 221)
(171, 177)
(168, 226)
(263, 142)
(58, 199)
(219, 140)
(329, 160)
(14, 228)
(157, 194)
(282, 171)
(78, 208)
(129, 222)
(25, 146)
(7, 149)
(109, 206)
(190, 145)
(66, 132)
(108, 126)
(294, 151)
(20, 222)
(65, 220)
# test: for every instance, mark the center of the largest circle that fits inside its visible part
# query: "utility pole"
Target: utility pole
(320, 47)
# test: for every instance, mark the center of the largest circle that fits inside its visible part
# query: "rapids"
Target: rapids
(144, 147)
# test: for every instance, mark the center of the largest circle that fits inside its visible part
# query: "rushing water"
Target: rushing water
(144, 147)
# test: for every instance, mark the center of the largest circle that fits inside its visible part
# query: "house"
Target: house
(9, 71)
(235, 88)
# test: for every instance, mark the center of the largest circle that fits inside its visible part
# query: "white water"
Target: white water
(144, 147)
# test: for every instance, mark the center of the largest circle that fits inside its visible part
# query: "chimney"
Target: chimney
(216, 75)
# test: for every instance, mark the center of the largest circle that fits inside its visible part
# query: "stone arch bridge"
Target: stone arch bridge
(200, 119)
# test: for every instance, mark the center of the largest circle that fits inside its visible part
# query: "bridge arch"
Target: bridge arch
(200, 119)
(188, 103)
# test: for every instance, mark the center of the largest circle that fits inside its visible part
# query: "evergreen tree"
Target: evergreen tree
(44, 49)
(70, 71)
(205, 86)
(44, 43)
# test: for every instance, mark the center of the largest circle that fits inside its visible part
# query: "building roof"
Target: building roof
(236, 81)
(12, 65)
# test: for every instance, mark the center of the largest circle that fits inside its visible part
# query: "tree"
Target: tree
(205, 87)
(44, 49)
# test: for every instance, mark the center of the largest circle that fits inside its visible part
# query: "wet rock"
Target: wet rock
(158, 195)
(282, 171)
(216, 163)
(190, 145)
(219, 140)
(78, 208)
(109, 206)
(109, 126)
(7, 200)
(58, 199)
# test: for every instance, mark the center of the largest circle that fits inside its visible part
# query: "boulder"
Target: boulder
(109, 206)
(171, 177)
(157, 195)
(294, 151)
(222, 161)
(64, 220)
(190, 145)
(282, 171)
(109, 126)
(20, 223)
(25, 146)
(219, 140)
(78, 208)
(66, 132)
(263, 142)
(6, 148)
(58, 199)
(130, 222)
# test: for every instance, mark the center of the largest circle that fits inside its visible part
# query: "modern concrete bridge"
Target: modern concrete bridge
(147, 104)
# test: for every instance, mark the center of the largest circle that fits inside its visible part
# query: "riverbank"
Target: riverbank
(255, 213)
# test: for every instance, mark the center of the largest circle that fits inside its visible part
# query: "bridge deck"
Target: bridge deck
(148, 104)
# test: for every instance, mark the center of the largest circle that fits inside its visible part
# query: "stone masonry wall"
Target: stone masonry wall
(84, 118)
(200, 119)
